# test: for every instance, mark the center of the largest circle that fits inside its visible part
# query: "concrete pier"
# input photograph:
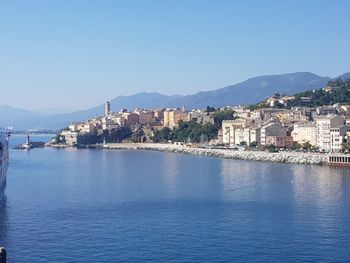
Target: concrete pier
(2, 255)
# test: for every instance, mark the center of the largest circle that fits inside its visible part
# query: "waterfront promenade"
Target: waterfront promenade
(280, 157)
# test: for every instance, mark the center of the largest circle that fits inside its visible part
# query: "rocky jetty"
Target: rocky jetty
(280, 157)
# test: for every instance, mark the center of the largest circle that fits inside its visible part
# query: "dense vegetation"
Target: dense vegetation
(339, 93)
(192, 131)
(221, 115)
(346, 147)
(114, 136)
(117, 135)
(253, 107)
(138, 135)
(163, 135)
(187, 132)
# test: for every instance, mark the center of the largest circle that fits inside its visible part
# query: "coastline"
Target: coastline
(279, 157)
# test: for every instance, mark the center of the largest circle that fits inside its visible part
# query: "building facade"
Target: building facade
(279, 141)
(323, 130)
(271, 129)
(235, 132)
(338, 137)
(305, 132)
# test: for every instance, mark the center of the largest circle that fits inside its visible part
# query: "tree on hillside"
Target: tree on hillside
(243, 143)
(271, 148)
(116, 135)
(253, 107)
(279, 105)
(345, 147)
(219, 116)
(138, 135)
(295, 146)
(187, 131)
(276, 95)
(306, 146)
(163, 135)
(253, 144)
(210, 109)
(340, 93)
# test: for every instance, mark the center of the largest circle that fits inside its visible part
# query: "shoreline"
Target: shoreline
(279, 157)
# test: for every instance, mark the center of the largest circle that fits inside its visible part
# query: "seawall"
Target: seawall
(280, 157)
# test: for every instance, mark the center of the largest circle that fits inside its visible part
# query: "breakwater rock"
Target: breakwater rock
(280, 157)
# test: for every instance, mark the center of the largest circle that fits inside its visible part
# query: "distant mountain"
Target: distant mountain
(10, 112)
(145, 100)
(52, 121)
(247, 92)
(255, 89)
(345, 76)
(9, 115)
(50, 111)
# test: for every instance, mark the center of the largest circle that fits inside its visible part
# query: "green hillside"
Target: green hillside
(336, 91)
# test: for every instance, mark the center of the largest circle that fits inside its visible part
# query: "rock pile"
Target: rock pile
(280, 157)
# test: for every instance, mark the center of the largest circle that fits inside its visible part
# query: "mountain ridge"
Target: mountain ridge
(249, 91)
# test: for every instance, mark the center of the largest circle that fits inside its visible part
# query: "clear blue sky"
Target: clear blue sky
(77, 54)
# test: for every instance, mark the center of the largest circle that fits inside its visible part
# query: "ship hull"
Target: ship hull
(3, 172)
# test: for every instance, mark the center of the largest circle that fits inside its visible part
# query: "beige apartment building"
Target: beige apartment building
(305, 132)
(173, 117)
(237, 131)
(145, 116)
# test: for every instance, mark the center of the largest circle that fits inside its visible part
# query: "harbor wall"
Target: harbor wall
(280, 157)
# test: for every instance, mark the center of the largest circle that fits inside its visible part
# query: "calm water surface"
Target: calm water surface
(140, 206)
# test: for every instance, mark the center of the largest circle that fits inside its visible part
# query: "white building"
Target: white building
(323, 130)
(338, 137)
(82, 127)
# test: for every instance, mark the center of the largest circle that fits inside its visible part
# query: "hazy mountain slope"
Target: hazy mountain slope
(56, 121)
(345, 76)
(256, 89)
(144, 100)
(246, 92)
(9, 115)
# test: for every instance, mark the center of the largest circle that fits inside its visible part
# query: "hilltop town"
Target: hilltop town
(303, 122)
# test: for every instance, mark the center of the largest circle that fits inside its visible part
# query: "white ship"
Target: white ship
(4, 157)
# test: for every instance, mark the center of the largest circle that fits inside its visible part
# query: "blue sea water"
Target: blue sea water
(68, 205)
